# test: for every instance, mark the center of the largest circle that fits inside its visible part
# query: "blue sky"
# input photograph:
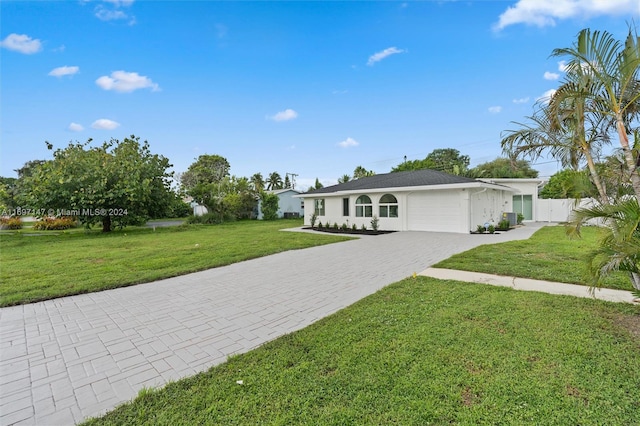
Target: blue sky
(313, 88)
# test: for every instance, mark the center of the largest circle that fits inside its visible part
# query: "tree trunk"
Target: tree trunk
(635, 280)
(106, 224)
(629, 158)
(595, 176)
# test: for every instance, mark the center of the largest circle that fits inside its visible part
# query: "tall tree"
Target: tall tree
(120, 182)
(448, 160)
(504, 168)
(558, 128)
(360, 172)
(611, 70)
(257, 181)
(274, 181)
(600, 94)
(204, 179)
(287, 182)
(344, 178)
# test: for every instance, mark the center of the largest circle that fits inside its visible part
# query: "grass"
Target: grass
(56, 263)
(548, 255)
(419, 352)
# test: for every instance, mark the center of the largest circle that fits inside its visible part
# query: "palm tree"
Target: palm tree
(612, 88)
(274, 181)
(619, 249)
(344, 178)
(257, 181)
(563, 135)
(360, 172)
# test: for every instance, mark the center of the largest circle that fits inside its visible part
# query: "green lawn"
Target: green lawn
(52, 264)
(419, 352)
(548, 255)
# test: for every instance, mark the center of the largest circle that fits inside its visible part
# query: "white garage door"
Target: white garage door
(438, 211)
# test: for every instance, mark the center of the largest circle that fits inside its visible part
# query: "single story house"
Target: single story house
(525, 199)
(288, 206)
(420, 200)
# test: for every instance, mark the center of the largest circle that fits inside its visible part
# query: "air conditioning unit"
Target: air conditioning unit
(511, 217)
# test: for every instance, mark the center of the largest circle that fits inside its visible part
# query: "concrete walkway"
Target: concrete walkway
(66, 359)
(532, 285)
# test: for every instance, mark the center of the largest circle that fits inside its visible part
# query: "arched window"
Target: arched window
(364, 208)
(388, 206)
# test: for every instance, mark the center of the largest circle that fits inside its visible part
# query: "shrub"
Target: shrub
(335, 225)
(313, 219)
(480, 229)
(504, 224)
(344, 227)
(354, 227)
(374, 223)
(55, 223)
(269, 206)
(363, 227)
(520, 218)
(491, 229)
(320, 225)
(13, 222)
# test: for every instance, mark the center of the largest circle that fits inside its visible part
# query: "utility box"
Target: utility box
(511, 217)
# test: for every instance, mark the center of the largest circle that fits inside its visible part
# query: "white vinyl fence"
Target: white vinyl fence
(559, 210)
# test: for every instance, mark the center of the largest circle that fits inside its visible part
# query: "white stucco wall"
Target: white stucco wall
(524, 187)
(447, 210)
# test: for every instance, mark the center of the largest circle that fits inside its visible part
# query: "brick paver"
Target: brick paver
(67, 359)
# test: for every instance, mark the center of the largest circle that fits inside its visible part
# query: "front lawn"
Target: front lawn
(52, 264)
(419, 352)
(548, 255)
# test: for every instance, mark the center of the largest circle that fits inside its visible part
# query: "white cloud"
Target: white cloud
(113, 11)
(546, 96)
(348, 142)
(562, 66)
(544, 13)
(62, 71)
(21, 43)
(521, 100)
(495, 109)
(109, 15)
(551, 75)
(286, 115)
(75, 127)
(119, 3)
(122, 81)
(377, 57)
(105, 124)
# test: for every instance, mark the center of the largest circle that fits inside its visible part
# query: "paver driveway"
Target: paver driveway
(66, 359)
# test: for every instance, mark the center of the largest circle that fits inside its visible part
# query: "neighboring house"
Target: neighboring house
(525, 199)
(288, 206)
(198, 209)
(421, 200)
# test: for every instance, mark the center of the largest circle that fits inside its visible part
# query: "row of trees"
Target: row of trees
(597, 102)
(124, 176)
(450, 160)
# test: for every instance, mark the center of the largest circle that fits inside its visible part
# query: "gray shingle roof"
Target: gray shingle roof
(423, 177)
